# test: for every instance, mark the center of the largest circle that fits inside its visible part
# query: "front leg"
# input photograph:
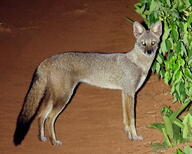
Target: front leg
(128, 104)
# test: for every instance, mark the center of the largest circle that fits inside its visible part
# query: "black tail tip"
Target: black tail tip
(20, 132)
(17, 141)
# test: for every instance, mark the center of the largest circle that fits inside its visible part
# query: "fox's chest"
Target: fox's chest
(141, 81)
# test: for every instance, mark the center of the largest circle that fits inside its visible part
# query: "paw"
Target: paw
(57, 143)
(43, 138)
(134, 137)
(137, 138)
(130, 134)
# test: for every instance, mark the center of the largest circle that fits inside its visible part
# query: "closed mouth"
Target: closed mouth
(148, 52)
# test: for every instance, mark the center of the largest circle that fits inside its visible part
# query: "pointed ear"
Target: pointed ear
(157, 28)
(138, 29)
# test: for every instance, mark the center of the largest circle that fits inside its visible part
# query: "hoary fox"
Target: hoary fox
(57, 76)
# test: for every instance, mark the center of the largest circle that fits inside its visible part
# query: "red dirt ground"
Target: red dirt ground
(30, 31)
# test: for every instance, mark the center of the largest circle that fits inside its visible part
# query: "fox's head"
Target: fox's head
(147, 40)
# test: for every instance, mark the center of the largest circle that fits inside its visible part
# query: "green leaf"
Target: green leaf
(177, 75)
(185, 34)
(177, 134)
(175, 33)
(166, 111)
(188, 74)
(180, 89)
(172, 57)
(176, 69)
(167, 77)
(168, 3)
(167, 65)
(189, 21)
(168, 126)
(187, 3)
(158, 67)
(180, 61)
(152, 18)
(167, 140)
(140, 10)
(188, 150)
(160, 58)
(183, 49)
(178, 123)
(183, 94)
(181, 5)
(187, 129)
(158, 126)
(154, 5)
(154, 67)
(168, 44)
(178, 151)
(162, 73)
(190, 61)
(163, 47)
(166, 33)
(178, 47)
(189, 92)
(175, 96)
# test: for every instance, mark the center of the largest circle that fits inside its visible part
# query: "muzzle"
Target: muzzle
(148, 52)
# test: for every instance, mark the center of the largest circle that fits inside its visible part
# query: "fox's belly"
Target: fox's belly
(102, 84)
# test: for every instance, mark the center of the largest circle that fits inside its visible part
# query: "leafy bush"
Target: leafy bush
(187, 150)
(174, 61)
(175, 131)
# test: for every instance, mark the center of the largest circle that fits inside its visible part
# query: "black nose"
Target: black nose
(149, 52)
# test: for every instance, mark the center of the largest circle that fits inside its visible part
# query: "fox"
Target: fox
(56, 78)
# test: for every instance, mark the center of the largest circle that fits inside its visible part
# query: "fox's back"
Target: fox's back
(103, 70)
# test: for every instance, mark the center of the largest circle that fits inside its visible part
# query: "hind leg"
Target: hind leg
(46, 109)
(60, 89)
(61, 94)
(58, 106)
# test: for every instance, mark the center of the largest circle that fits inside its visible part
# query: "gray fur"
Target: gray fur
(123, 71)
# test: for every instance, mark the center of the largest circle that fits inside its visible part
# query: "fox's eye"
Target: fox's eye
(143, 43)
(153, 43)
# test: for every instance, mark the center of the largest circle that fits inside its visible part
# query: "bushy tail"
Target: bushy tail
(29, 109)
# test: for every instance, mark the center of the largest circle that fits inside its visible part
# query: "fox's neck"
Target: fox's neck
(138, 57)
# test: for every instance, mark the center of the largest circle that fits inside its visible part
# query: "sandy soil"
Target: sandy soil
(30, 31)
